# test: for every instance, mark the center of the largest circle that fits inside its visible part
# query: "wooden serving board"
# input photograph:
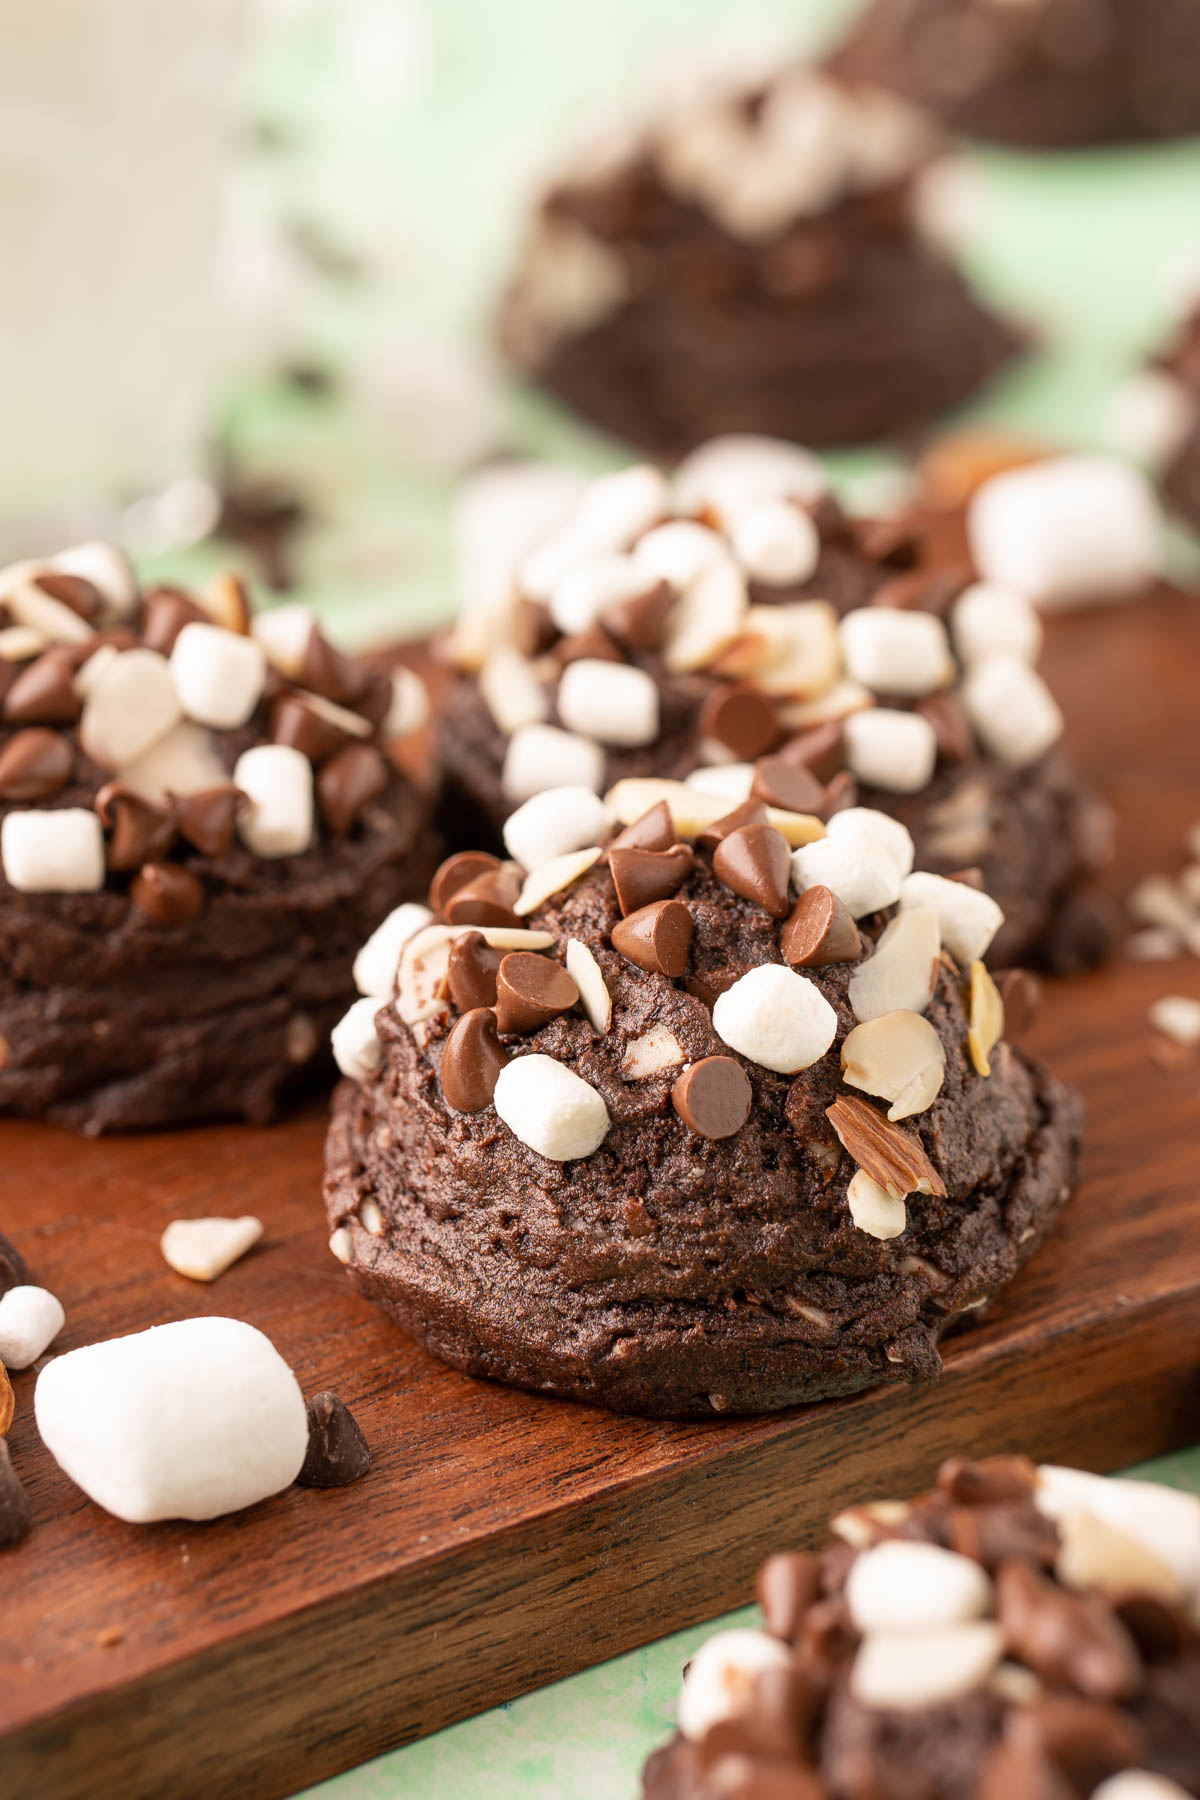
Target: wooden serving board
(501, 1540)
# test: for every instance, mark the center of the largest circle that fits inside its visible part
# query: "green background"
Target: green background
(409, 152)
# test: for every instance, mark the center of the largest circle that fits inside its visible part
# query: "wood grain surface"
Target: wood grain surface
(501, 1540)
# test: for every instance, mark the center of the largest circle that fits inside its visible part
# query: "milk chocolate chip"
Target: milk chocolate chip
(166, 894)
(303, 728)
(756, 863)
(472, 1060)
(713, 1097)
(531, 990)
(741, 718)
(750, 812)
(653, 831)
(34, 764)
(207, 819)
(141, 833)
(642, 876)
(16, 1514)
(455, 873)
(951, 727)
(347, 783)
(44, 692)
(487, 900)
(167, 611)
(471, 976)
(791, 786)
(820, 750)
(820, 931)
(657, 938)
(642, 621)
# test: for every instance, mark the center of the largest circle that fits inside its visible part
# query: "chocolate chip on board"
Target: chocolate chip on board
(16, 1514)
(337, 1453)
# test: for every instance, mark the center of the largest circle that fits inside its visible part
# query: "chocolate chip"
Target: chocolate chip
(922, 590)
(642, 876)
(951, 726)
(1071, 1640)
(44, 692)
(840, 792)
(657, 938)
(72, 590)
(788, 1584)
(34, 764)
(530, 991)
(592, 645)
(822, 750)
(325, 671)
(455, 873)
(831, 520)
(713, 1097)
(533, 628)
(373, 695)
(16, 1514)
(743, 719)
(891, 541)
(1009, 1770)
(302, 728)
(165, 613)
(13, 1272)
(337, 1452)
(642, 621)
(995, 1478)
(141, 832)
(487, 900)
(349, 782)
(166, 894)
(472, 1059)
(1086, 1741)
(1021, 994)
(471, 975)
(820, 931)
(750, 812)
(756, 863)
(207, 819)
(653, 831)
(787, 785)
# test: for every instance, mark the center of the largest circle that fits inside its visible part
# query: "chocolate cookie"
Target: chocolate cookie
(1045, 73)
(607, 1137)
(758, 255)
(1016, 1634)
(198, 823)
(737, 629)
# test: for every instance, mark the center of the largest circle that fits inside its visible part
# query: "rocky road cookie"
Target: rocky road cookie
(198, 824)
(1016, 1634)
(712, 1115)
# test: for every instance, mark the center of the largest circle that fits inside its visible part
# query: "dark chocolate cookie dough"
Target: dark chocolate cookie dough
(175, 947)
(754, 257)
(1042, 73)
(1016, 1634)
(644, 1180)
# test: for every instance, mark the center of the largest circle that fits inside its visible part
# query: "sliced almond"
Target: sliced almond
(902, 973)
(551, 877)
(649, 1054)
(350, 722)
(898, 1057)
(19, 642)
(986, 1026)
(1094, 1555)
(792, 650)
(183, 762)
(707, 617)
(7, 1403)
(692, 809)
(226, 603)
(862, 1526)
(960, 827)
(892, 1157)
(836, 702)
(202, 1249)
(875, 1211)
(283, 632)
(425, 962)
(31, 606)
(593, 991)
(511, 690)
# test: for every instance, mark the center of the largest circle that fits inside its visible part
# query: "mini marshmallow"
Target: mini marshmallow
(278, 781)
(988, 619)
(182, 762)
(30, 1320)
(376, 963)
(1139, 1784)
(553, 822)
(864, 857)
(1152, 416)
(892, 750)
(902, 973)
(590, 588)
(719, 1683)
(409, 708)
(775, 1018)
(968, 919)
(53, 852)
(612, 702)
(501, 513)
(1177, 1016)
(550, 1108)
(109, 571)
(184, 1421)
(218, 674)
(775, 542)
(202, 1249)
(357, 1050)
(613, 511)
(678, 551)
(730, 473)
(511, 690)
(880, 1214)
(1013, 713)
(542, 756)
(131, 704)
(89, 672)
(906, 1671)
(892, 651)
(1068, 531)
(906, 1585)
(283, 632)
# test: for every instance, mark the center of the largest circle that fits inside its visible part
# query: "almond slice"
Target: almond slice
(7, 1403)
(891, 1157)
(986, 1019)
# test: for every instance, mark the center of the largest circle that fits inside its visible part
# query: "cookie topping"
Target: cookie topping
(472, 1059)
(654, 830)
(34, 764)
(897, 1056)
(754, 862)
(819, 932)
(902, 973)
(30, 1320)
(168, 895)
(53, 852)
(550, 878)
(863, 857)
(643, 876)
(892, 750)
(611, 702)
(278, 784)
(873, 1210)
(202, 1249)
(138, 831)
(713, 1097)
(776, 1018)
(208, 818)
(556, 821)
(895, 652)
(337, 1453)
(472, 970)
(656, 937)
(550, 1108)
(1014, 714)
(218, 675)
(530, 991)
(789, 785)
(986, 1016)
(893, 1158)
(44, 692)
(489, 898)
(742, 719)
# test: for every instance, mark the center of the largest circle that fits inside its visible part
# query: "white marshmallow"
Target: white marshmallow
(19, 642)
(873, 1210)
(131, 704)
(892, 651)
(89, 672)
(1163, 1520)
(902, 973)
(988, 619)
(30, 1320)
(542, 756)
(892, 750)
(905, 1671)
(202, 1249)
(409, 708)
(594, 996)
(678, 551)
(278, 781)
(511, 690)
(719, 1683)
(218, 674)
(357, 1050)
(1013, 713)
(283, 632)
(905, 1585)
(501, 514)
(182, 762)
(776, 1018)
(775, 542)
(968, 919)
(376, 963)
(109, 571)
(612, 702)
(730, 473)
(864, 856)
(706, 618)
(590, 588)
(1139, 1784)
(1177, 1016)
(1152, 416)
(1070, 531)
(613, 511)
(553, 822)
(184, 1421)
(53, 852)
(550, 1108)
